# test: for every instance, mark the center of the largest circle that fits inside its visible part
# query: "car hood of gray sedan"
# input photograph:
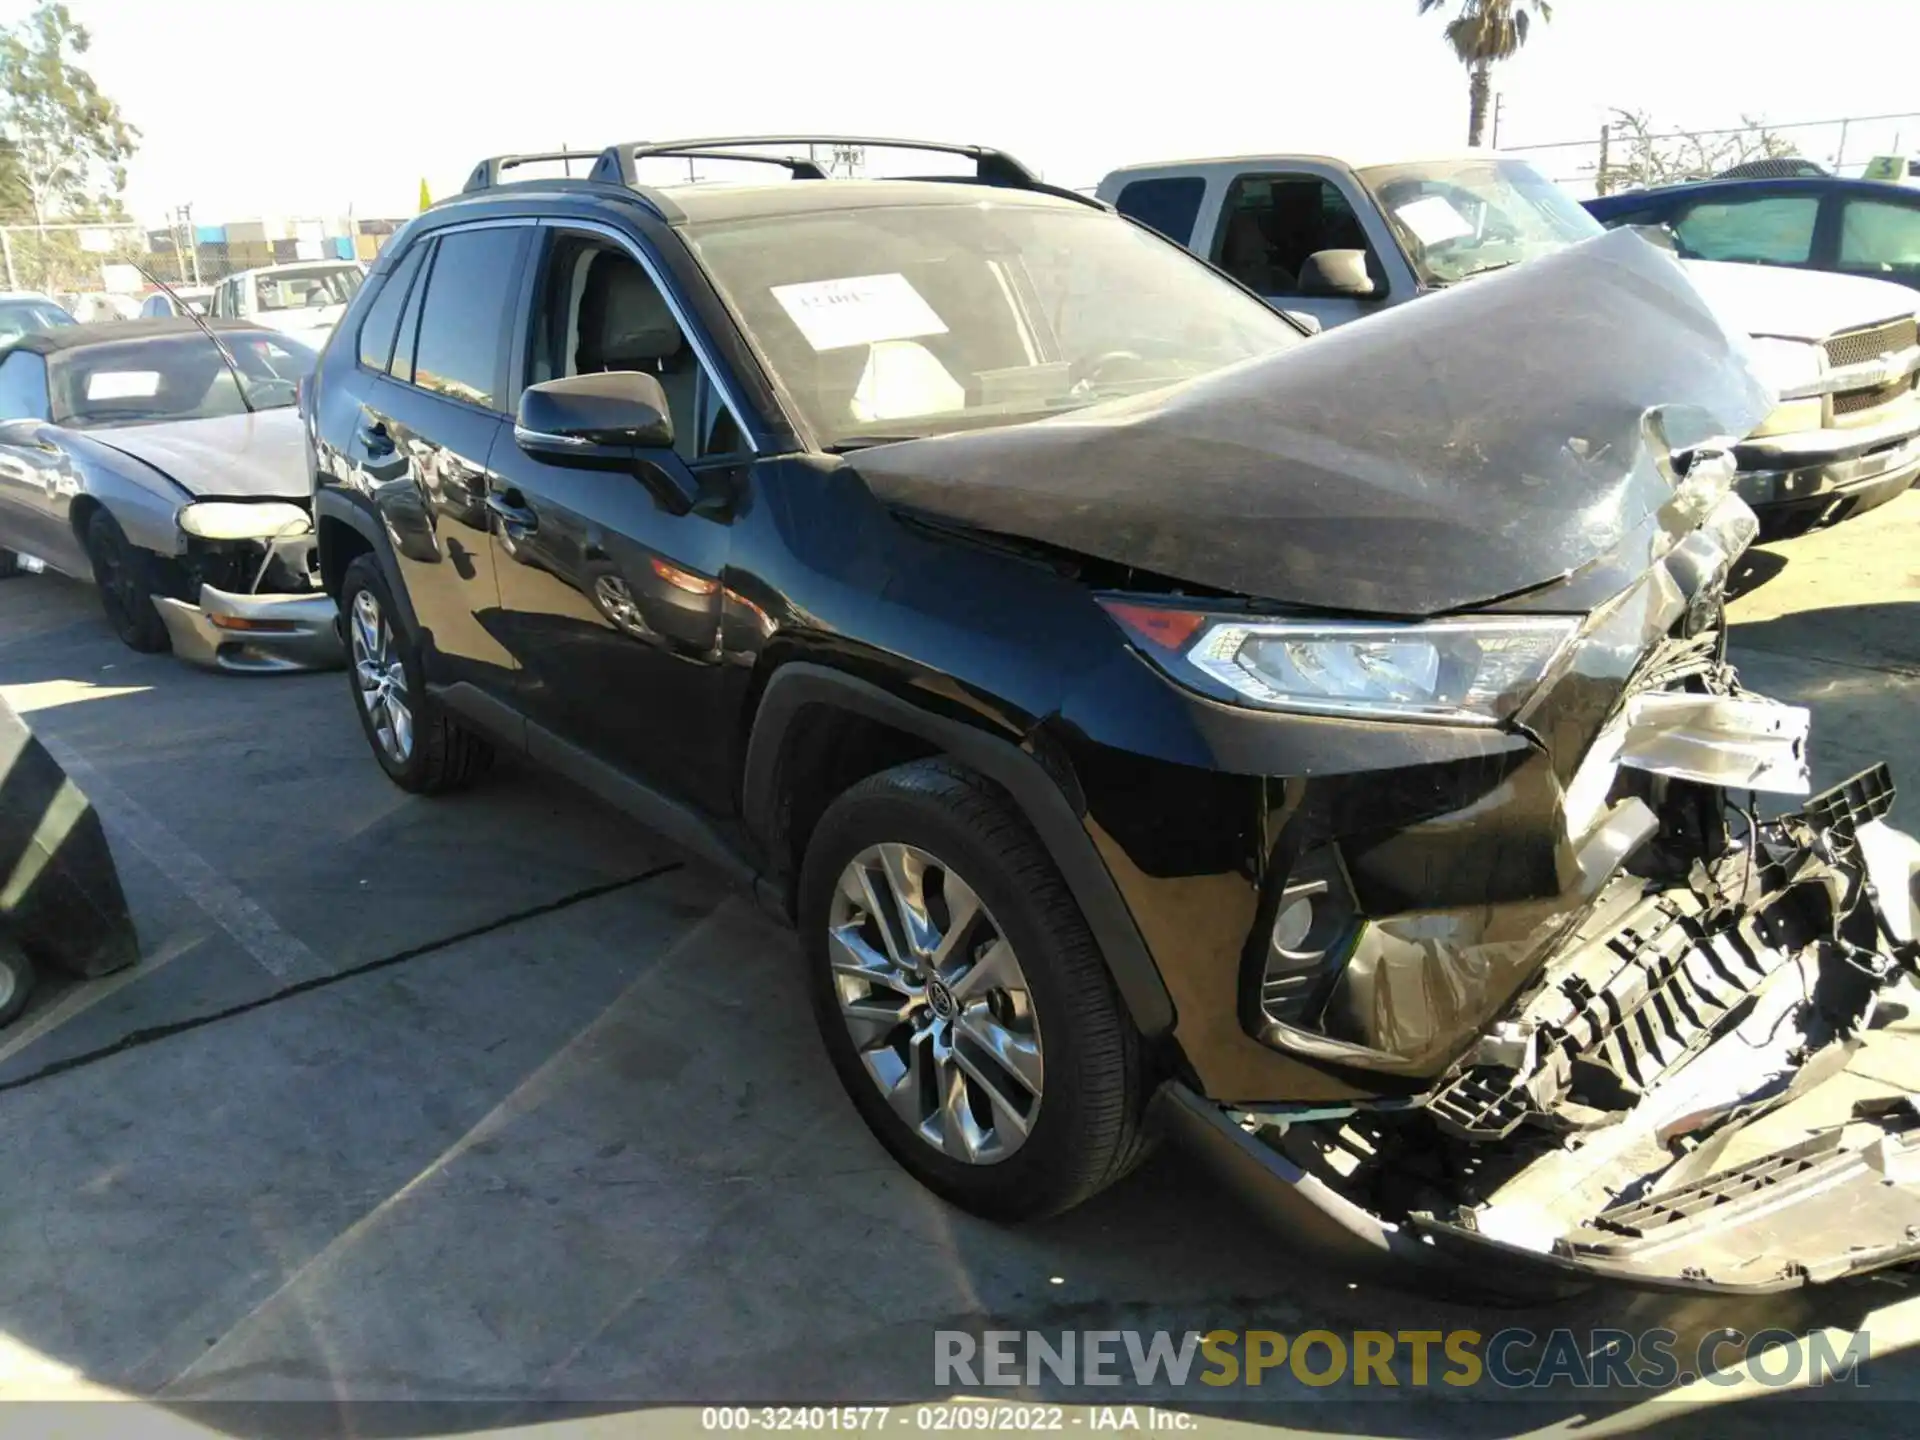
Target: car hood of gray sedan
(1508, 432)
(256, 456)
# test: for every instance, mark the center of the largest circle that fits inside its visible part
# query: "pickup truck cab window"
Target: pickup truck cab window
(1272, 223)
(1169, 206)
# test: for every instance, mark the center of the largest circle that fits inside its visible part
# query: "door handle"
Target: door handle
(517, 518)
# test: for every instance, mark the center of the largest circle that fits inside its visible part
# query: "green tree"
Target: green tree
(1483, 33)
(64, 146)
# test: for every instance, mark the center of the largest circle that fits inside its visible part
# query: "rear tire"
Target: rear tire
(417, 742)
(17, 979)
(126, 576)
(1036, 1069)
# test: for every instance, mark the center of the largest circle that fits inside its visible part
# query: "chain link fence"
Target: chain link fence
(1629, 152)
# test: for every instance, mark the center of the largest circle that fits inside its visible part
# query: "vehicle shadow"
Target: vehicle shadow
(1752, 570)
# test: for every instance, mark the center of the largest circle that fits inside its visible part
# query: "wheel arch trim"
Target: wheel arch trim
(798, 684)
(330, 504)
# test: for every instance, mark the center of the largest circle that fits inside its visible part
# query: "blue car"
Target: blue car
(1811, 222)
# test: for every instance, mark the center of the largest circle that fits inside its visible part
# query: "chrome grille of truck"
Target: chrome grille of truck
(1850, 347)
(1851, 402)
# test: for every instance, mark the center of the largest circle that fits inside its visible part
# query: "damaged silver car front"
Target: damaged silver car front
(258, 604)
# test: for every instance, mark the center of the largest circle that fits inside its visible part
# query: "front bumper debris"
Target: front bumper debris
(254, 634)
(1612, 1124)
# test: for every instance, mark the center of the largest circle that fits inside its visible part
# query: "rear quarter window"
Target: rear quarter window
(383, 316)
(1169, 205)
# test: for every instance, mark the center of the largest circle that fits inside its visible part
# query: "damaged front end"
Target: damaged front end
(245, 594)
(1615, 1121)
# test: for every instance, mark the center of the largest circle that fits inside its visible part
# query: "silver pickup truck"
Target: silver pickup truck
(1336, 241)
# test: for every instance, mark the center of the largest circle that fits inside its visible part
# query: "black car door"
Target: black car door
(612, 592)
(431, 415)
(37, 480)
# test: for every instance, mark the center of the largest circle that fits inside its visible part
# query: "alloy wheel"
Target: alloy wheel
(936, 1002)
(618, 605)
(382, 679)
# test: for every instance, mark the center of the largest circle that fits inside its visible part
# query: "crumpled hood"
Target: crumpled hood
(1792, 304)
(228, 456)
(1441, 455)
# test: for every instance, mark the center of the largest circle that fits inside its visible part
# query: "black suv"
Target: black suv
(1123, 694)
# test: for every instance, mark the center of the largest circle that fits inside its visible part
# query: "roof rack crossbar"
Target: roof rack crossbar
(618, 164)
(490, 171)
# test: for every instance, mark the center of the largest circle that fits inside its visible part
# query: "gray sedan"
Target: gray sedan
(171, 471)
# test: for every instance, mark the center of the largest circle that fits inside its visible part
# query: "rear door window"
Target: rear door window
(1881, 238)
(1764, 230)
(1272, 223)
(1169, 205)
(466, 313)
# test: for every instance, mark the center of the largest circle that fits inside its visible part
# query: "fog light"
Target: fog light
(1314, 929)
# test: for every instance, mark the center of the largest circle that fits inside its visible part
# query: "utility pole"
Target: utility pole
(1601, 177)
(6, 245)
(1498, 100)
(193, 240)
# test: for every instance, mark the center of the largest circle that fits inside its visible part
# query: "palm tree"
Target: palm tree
(1486, 31)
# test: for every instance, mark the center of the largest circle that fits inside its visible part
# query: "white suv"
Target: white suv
(305, 298)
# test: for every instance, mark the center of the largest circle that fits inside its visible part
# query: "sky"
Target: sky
(273, 108)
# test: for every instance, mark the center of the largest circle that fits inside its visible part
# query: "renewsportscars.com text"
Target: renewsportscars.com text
(1510, 1359)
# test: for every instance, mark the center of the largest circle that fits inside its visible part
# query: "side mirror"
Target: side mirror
(1340, 273)
(605, 422)
(1309, 323)
(623, 409)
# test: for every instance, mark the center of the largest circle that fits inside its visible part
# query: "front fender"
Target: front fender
(798, 684)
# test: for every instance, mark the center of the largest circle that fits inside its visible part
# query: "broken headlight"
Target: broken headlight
(243, 519)
(1475, 671)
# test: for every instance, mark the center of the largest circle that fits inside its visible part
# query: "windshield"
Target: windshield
(904, 321)
(24, 317)
(1456, 218)
(307, 289)
(174, 377)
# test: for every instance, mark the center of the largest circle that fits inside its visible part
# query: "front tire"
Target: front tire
(962, 998)
(420, 746)
(125, 574)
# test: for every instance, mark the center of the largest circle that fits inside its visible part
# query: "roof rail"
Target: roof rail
(619, 164)
(492, 170)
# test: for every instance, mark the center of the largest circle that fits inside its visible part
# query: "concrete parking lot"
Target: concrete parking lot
(498, 1098)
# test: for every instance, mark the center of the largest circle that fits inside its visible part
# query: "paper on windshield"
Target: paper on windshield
(123, 384)
(859, 310)
(1433, 220)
